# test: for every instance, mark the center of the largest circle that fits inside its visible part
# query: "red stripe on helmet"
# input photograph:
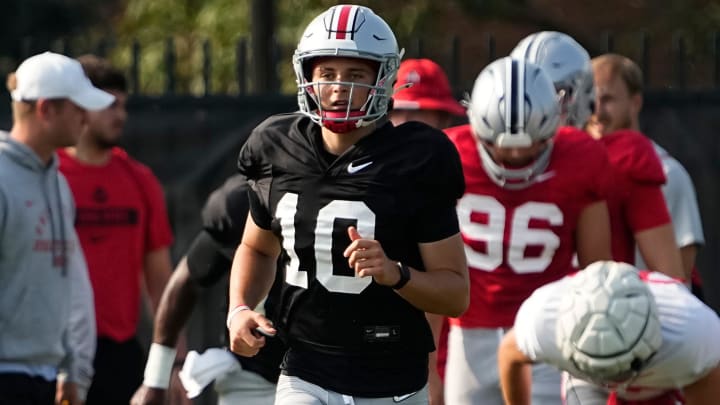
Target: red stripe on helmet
(342, 27)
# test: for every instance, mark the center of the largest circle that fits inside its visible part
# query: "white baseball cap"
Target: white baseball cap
(51, 75)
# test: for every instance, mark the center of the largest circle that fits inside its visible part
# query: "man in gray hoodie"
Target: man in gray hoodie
(47, 321)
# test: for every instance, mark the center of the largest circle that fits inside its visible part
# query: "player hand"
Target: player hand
(244, 340)
(368, 258)
(66, 394)
(148, 396)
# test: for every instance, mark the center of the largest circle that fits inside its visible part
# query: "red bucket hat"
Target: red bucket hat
(430, 88)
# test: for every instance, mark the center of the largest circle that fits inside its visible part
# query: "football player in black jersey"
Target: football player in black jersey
(207, 261)
(365, 212)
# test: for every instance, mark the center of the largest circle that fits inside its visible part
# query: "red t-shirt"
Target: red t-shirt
(636, 202)
(121, 216)
(519, 240)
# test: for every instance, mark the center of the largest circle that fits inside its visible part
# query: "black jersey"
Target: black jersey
(210, 257)
(397, 185)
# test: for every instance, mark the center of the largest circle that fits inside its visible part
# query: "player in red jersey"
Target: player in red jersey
(638, 212)
(532, 200)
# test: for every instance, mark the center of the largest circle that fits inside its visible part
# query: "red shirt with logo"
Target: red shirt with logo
(121, 216)
(519, 240)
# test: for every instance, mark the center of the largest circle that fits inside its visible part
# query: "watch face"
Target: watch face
(404, 276)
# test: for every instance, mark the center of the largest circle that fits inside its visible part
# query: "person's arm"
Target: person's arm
(593, 234)
(515, 371)
(251, 277)
(443, 288)
(647, 213)
(80, 339)
(158, 268)
(681, 199)
(174, 309)
(688, 256)
(705, 391)
(660, 252)
(435, 384)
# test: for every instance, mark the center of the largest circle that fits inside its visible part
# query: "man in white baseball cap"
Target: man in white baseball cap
(46, 300)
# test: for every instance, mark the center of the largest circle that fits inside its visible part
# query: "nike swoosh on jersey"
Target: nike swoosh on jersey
(354, 169)
(400, 398)
(544, 176)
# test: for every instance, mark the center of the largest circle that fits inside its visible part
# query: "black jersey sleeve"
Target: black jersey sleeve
(223, 218)
(252, 165)
(439, 186)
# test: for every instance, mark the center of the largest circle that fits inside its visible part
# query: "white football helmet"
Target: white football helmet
(608, 325)
(513, 104)
(347, 31)
(568, 65)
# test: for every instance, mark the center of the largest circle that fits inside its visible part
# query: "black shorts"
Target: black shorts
(22, 389)
(119, 368)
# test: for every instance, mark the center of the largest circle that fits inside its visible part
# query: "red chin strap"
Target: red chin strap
(341, 127)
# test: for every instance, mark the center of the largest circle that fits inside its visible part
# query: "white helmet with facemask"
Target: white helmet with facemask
(568, 65)
(513, 104)
(347, 31)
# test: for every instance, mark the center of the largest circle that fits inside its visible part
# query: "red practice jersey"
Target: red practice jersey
(519, 240)
(121, 216)
(635, 202)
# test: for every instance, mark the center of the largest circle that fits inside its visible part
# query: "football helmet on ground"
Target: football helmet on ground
(608, 325)
(347, 31)
(513, 104)
(568, 65)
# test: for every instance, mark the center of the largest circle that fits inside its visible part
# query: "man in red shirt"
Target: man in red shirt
(124, 232)
(639, 172)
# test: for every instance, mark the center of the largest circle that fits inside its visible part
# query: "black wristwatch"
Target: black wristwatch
(404, 276)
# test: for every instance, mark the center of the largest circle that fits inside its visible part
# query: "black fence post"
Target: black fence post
(716, 58)
(241, 65)
(416, 48)
(455, 62)
(207, 67)
(678, 42)
(102, 47)
(135, 66)
(25, 47)
(170, 66)
(64, 46)
(490, 43)
(608, 42)
(645, 57)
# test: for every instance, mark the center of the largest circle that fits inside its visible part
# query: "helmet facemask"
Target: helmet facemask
(349, 118)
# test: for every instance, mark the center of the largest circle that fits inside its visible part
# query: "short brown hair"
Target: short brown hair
(102, 73)
(625, 68)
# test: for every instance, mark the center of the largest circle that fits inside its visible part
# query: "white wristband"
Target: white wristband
(159, 366)
(234, 312)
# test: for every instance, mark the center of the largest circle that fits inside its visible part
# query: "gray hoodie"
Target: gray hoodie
(47, 319)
